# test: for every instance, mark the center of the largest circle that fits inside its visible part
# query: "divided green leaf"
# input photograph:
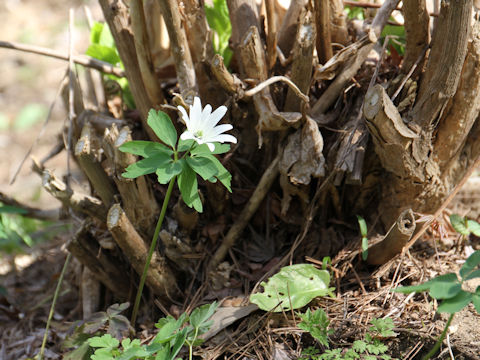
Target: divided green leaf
(456, 303)
(188, 185)
(474, 227)
(203, 166)
(204, 149)
(163, 127)
(103, 53)
(222, 174)
(167, 172)
(459, 224)
(145, 148)
(316, 324)
(105, 341)
(146, 166)
(200, 315)
(445, 286)
(468, 271)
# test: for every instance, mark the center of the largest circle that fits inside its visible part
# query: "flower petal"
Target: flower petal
(211, 146)
(196, 114)
(215, 117)
(224, 138)
(217, 130)
(187, 135)
(206, 113)
(185, 117)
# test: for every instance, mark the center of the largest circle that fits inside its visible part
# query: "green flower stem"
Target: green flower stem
(152, 248)
(52, 308)
(440, 339)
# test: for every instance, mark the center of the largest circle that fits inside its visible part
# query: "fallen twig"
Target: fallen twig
(248, 211)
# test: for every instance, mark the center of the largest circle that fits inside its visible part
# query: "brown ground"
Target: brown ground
(28, 79)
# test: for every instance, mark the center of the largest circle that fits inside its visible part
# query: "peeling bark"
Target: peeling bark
(159, 277)
(243, 15)
(302, 62)
(288, 30)
(417, 33)
(103, 266)
(137, 195)
(144, 56)
(442, 74)
(462, 110)
(85, 154)
(396, 238)
(322, 21)
(116, 15)
(180, 49)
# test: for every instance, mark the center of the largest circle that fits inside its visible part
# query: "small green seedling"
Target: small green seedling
(465, 226)
(316, 324)
(370, 348)
(173, 334)
(448, 289)
(293, 287)
(363, 232)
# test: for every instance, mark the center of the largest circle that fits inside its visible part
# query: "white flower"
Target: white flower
(201, 125)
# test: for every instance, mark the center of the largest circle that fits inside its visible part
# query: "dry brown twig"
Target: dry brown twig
(144, 57)
(248, 211)
(356, 61)
(180, 49)
(83, 60)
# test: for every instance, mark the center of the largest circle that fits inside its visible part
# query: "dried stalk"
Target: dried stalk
(322, 21)
(159, 277)
(292, 86)
(243, 15)
(83, 60)
(81, 203)
(137, 196)
(271, 33)
(180, 49)
(116, 15)
(198, 32)
(449, 48)
(100, 181)
(227, 80)
(288, 30)
(103, 266)
(462, 110)
(417, 32)
(302, 63)
(353, 64)
(144, 57)
(396, 238)
(252, 57)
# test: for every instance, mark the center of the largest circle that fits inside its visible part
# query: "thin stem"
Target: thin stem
(152, 248)
(52, 308)
(190, 345)
(440, 339)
